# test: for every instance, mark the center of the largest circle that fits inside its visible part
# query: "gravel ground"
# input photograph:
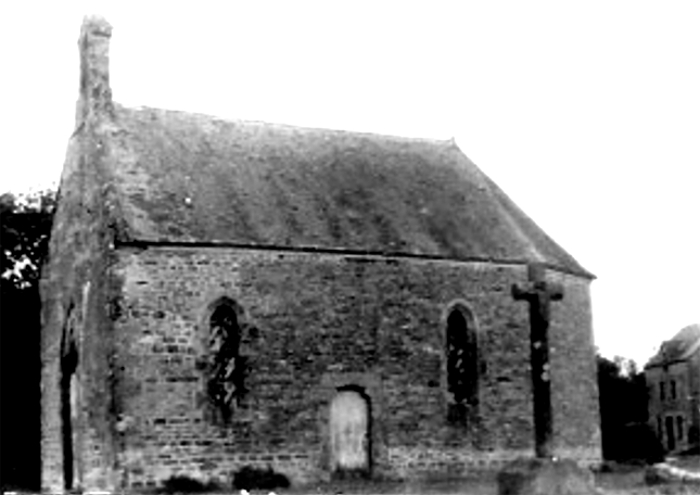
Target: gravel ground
(623, 480)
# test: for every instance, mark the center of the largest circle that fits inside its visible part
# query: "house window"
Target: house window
(226, 367)
(680, 427)
(662, 391)
(659, 428)
(673, 390)
(462, 367)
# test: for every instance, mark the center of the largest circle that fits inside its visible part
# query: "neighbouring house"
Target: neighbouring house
(227, 294)
(673, 383)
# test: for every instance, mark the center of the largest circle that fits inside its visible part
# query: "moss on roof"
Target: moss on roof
(190, 178)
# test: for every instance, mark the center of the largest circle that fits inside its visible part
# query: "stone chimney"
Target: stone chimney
(95, 94)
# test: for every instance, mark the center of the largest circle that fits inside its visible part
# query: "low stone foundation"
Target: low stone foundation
(417, 463)
(151, 468)
(411, 463)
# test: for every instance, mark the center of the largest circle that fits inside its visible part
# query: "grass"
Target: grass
(630, 480)
(624, 480)
(620, 479)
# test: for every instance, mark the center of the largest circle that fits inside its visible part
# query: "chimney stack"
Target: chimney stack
(95, 94)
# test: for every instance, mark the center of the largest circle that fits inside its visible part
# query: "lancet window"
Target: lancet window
(462, 359)
(226, 376)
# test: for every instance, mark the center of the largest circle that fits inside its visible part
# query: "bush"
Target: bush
(652, 477)
(634, 443)
(252, 478)
(185, 484)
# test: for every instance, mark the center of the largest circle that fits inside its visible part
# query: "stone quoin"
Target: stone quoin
(222, 295)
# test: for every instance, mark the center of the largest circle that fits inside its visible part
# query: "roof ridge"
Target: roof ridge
(449, 142)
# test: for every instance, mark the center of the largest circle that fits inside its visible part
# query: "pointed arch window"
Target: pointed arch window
(462, 363)
(226, 373)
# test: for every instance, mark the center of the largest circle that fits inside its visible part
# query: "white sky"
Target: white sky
(586, 113)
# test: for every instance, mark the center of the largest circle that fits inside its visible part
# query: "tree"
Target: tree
(25, 226)
(24, 239)
(623, 412)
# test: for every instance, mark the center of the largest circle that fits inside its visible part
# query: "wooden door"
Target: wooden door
(349, 427)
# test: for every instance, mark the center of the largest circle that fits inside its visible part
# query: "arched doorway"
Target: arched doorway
(350, 433)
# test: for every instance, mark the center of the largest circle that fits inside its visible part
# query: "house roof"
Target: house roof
(680, 348)
(190, 178)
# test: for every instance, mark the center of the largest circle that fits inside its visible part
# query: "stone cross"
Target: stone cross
(538, 293)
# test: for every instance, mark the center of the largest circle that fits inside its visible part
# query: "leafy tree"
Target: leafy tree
(25, 225)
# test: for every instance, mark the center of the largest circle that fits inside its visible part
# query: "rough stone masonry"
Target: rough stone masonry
(222, 295)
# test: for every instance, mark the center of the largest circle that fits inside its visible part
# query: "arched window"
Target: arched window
(462, 359)
(226, 373)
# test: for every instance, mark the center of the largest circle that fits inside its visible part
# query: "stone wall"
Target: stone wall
(576, 409)
(314, 322)
(694, 393)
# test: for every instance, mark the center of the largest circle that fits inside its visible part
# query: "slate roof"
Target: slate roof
(190, 178)
(681, 347)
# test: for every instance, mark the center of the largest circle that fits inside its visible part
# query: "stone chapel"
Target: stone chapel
(222, 294)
